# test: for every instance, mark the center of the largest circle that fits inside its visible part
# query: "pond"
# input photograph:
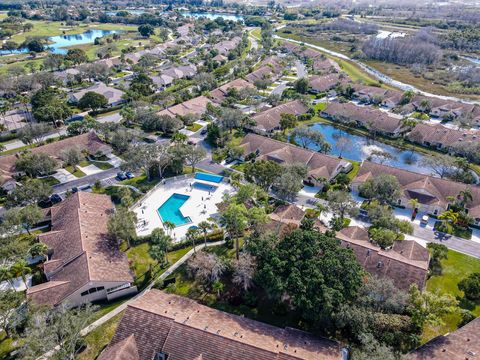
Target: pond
(58, 44)
(212, 16)
(359, 148)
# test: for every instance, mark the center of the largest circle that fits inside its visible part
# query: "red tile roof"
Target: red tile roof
(405, 263)
(82, 251)
(428, 190)
(319, 165)
(366, 116)
(196, 106)
(442, 135)
(461, 344)
(219, 94)
(186, 330)
(269, 120)
(88, 142)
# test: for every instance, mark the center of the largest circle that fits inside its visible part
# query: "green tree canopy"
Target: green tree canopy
(92, 100)
(310, 268)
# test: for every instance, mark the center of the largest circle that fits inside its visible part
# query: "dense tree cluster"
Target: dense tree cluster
(415, 49)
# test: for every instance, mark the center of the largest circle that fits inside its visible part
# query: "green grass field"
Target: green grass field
(142, 260)
(76, 172)
(99, 338)
(455, 268)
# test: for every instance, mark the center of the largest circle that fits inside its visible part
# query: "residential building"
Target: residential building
(444, 109)
(89, 143)
(159, 325)
(321, 167)
(432, 193)
(326, 65)
(286, 218)
(220, 59)
(406, 262)
(271, 69)
(224, 47)
(195, 106)
(377, 95)
(442, 137)
(67, 75)
(461, 344)
(84, 264)
(325, 83)
(169, 75)
(219, 94)
(114, 96)
(268, 121)
(367, 117)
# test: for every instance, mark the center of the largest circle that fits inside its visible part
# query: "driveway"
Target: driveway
(110, 118)
(86, 180)
(301, 69)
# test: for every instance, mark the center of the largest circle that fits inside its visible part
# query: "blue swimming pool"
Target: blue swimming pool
(170, 210)
(203, 186)
(208, 177)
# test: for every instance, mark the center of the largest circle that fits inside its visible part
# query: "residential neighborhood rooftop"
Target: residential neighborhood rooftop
(161, 323)
(81, 250)
(405, 263)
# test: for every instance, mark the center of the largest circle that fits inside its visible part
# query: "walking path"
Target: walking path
(384, 78)
(164, 275)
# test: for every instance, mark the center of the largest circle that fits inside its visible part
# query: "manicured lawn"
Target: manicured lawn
(356, 166)
(142, 261)
(256, 33)
(99, 338)
(455, 268)
(105, 308)
(14, 151)
(319, 107)
(141, 182)
(50, 180)
(194, 127)
(78, 173)
(102, 165)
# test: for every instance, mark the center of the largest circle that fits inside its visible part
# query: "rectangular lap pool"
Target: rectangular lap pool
(208, 177)
(170, 210)
(204, 187)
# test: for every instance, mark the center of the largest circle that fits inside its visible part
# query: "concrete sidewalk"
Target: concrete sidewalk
(164, 275)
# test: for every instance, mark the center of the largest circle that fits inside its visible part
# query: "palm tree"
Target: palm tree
(169, 226)
(414, 204)
(448, 217)
(20, 269)
(38, 249)
(465, 197)
(204, 226)
(191, 235)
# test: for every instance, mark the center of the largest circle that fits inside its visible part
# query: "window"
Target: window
(160, 356)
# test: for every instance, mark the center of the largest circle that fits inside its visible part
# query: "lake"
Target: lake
(212, 16)
(359, 148)
(59, 43)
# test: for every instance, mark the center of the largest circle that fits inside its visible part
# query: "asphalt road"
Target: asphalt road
(86, 180)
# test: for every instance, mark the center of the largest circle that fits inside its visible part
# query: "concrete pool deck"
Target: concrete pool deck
(199, 207)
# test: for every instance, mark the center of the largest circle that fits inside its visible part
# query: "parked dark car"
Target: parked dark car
(74, 190)
(204, 131)
(55, 198)
(121, 175)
